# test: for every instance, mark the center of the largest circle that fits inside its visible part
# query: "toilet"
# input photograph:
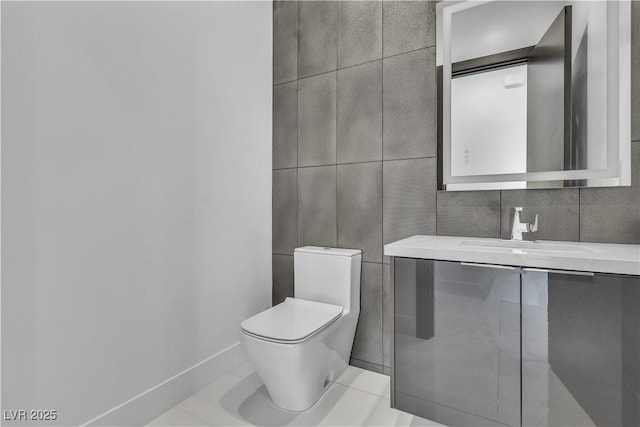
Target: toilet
(300, 346)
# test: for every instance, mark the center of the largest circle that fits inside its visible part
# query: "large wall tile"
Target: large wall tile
(407, 26)
(367, 112)
(469, 213)
(282, 278)
(317, 120)
(317, 40)
(409, 106)
(359, 32)
(359, 137)
(612, 215)
(285, 125)
(285, 41)
(558, 210)
(387, 313)
(317, 206)
(360, 208)
(367, 345)
(408, 198)
(635, 70)
(285, 211)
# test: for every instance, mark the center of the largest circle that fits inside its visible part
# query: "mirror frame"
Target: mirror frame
(618, 120)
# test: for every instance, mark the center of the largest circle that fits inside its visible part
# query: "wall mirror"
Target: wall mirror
(533, 94)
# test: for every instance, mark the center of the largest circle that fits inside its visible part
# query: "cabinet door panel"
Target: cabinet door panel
(457, 342)
(580, 350)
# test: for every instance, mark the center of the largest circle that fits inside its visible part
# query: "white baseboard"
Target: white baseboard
(149, 404)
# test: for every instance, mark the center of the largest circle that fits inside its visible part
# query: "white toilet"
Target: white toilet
(300, 346)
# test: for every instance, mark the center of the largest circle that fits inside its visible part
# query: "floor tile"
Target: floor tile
(177, 416)
(368, 381)
(357, 398)
(353, 408)
(224, 402)
(384, 415)
(248, 371)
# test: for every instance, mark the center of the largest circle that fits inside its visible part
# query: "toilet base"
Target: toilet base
(297, 375)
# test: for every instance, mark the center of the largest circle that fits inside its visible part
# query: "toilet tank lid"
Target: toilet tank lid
(329, 251)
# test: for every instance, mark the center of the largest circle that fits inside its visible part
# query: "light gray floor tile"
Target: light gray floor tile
(178, 417)
(368, 381)
(358, 398)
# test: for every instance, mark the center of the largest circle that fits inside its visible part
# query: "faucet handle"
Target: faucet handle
(534, 227)
(518, 209)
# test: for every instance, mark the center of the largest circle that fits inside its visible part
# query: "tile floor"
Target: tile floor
(357, 398)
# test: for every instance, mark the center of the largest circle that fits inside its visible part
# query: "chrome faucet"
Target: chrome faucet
(522, 227)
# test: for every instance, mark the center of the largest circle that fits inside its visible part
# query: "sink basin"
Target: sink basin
(542, 254)
(522, 245)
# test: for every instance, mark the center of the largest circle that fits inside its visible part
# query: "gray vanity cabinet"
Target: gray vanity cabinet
(580, 349)
(476, 345)
(457, 342)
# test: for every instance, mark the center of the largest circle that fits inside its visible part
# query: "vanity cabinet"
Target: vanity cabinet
(580, 349)
(482, 344)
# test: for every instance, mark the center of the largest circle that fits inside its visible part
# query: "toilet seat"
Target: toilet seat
(291, 321)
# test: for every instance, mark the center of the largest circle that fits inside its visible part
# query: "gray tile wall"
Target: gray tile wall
(354, 153)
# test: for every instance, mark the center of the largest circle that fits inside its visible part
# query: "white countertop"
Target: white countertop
(574, 256)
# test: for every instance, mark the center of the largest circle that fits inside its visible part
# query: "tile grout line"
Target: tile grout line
(275, 85)
(361, 390)
(333, 70)
(365, 161)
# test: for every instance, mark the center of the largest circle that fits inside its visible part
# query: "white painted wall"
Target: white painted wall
(136, 194)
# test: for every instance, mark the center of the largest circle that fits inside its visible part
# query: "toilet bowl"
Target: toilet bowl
(300, 346)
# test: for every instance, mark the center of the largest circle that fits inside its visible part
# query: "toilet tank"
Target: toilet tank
(329, 275)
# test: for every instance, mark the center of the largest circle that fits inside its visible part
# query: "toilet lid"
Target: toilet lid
(292, 320)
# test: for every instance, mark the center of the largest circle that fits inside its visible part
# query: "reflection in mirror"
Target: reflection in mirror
(533, 94)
